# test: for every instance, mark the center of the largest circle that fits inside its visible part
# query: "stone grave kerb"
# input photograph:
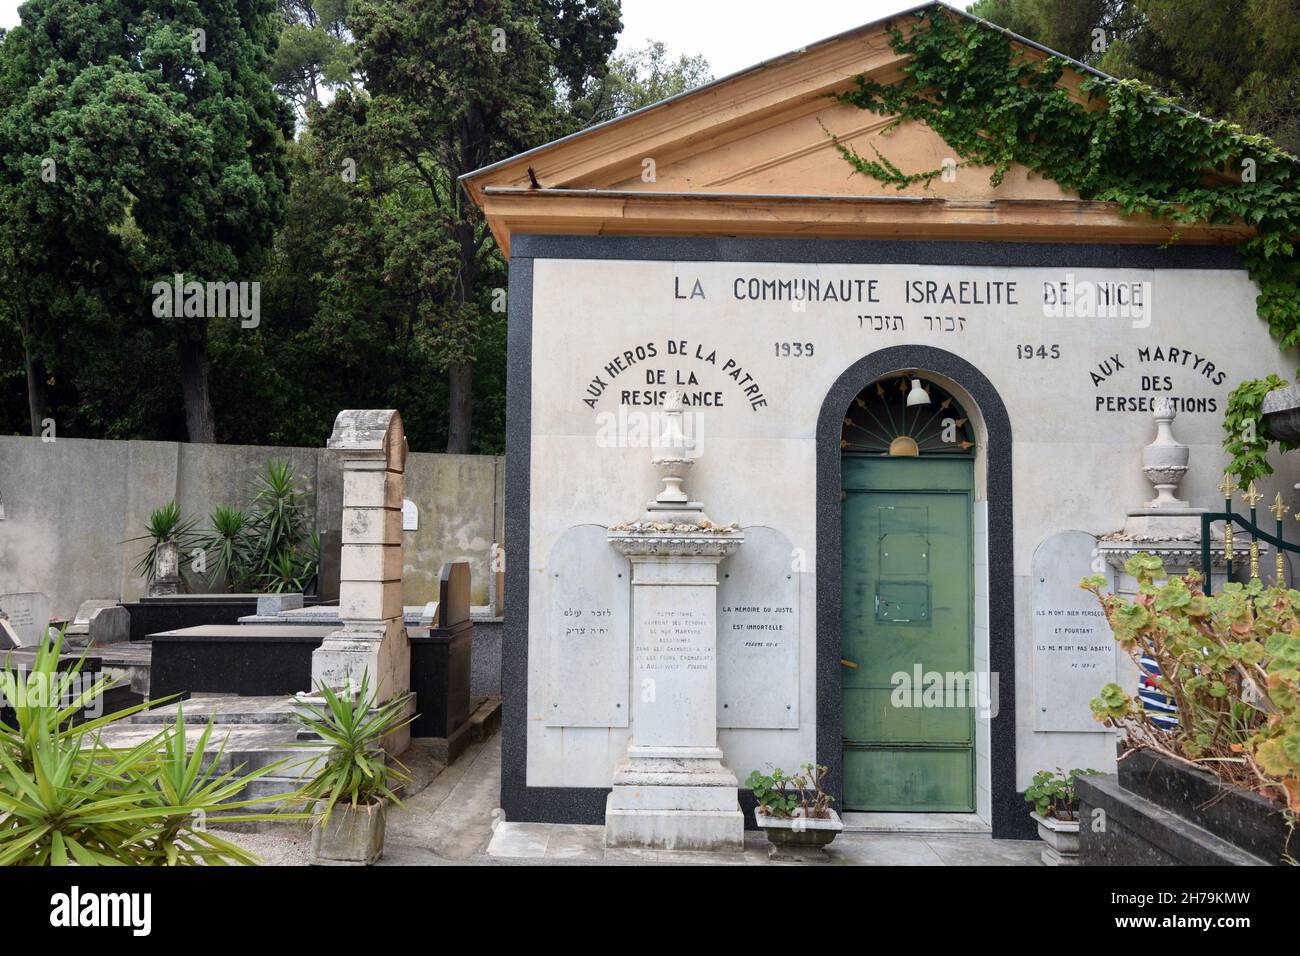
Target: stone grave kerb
(371, 445)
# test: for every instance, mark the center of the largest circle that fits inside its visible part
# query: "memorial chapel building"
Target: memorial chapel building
(888, 391)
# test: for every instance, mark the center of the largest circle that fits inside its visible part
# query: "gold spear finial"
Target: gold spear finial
(1278, 507)
(1251, 496)
(1227, 486)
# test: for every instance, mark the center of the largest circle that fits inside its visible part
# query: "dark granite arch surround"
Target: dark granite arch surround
(1008, 808)
(587, 804)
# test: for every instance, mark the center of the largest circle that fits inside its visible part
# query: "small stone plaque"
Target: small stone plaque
(758, 634)
(1073, 650)
(28, 613)
(587, 632)
(410, 515)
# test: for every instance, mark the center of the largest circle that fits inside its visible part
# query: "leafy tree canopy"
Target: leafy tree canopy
(1237, 60)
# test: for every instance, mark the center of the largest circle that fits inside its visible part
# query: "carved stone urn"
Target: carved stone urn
(1164, 461)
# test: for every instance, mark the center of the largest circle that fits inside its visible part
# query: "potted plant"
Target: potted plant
(70, 796)
(794, 811)
(1056, 811)
(352, 782)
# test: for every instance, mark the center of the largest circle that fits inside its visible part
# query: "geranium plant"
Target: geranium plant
(1231, 665)
(1052, 794)
(784, 796)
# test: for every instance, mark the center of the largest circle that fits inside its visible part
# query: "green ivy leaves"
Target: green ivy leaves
(1247, 440)
(996, 106)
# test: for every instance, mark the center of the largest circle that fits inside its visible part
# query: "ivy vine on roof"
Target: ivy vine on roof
(996, 105)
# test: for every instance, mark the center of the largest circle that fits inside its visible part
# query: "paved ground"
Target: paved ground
(455, 820)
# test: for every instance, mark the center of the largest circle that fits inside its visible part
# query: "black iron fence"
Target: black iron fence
(1250, 525)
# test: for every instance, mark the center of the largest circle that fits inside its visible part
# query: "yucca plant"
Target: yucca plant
(65, 797)
(286, 572)
(278, 514)
(354, 770)
(165, 524)
(228, 545)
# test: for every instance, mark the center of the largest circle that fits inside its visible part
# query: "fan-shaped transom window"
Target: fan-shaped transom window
(906, 416)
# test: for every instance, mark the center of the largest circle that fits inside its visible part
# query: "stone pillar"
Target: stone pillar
(373, 638)
(672, 790)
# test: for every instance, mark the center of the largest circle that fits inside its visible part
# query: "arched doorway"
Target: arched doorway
(907, 626)
(997, 800)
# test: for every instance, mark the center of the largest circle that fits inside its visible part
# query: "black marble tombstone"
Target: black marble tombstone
(440, 664)
(170, 612)
(327, 575)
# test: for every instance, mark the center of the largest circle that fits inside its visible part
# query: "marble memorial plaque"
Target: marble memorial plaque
(588, 632)
(28, 613)
(1074, 652)
(758, 634)
(410, 515)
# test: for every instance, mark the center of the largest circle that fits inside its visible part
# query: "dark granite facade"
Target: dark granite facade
(150, 615)
(247, 659)
(440, 677)
(1158, 812)
(587, 804)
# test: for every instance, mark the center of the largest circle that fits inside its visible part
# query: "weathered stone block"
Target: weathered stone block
(371, 526)
(372, 489)
(275, 603)
(369, 601)
(371, 562)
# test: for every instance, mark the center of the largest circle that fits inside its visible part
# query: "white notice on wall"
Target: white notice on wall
(1073, 651)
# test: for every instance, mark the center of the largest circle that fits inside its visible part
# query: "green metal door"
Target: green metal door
(908, 741)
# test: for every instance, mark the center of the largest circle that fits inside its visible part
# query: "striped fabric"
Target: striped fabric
(1159, 707)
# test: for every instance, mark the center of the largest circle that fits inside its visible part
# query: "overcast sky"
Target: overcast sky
(731, 34)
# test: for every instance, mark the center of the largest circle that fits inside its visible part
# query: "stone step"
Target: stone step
(255, 732)
(253, 746)
(223, 709)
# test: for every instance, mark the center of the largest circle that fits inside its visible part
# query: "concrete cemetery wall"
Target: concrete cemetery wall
(71, 504)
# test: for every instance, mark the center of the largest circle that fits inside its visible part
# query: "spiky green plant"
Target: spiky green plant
(286, 573)
(229, 546)
(278, 514)
(165, 524)
(66, 797)
(354, 769)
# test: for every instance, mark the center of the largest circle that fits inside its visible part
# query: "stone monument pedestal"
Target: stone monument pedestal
(672, 790)
(674, 798)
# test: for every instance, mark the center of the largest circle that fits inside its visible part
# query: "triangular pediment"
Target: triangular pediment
(762, 139)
